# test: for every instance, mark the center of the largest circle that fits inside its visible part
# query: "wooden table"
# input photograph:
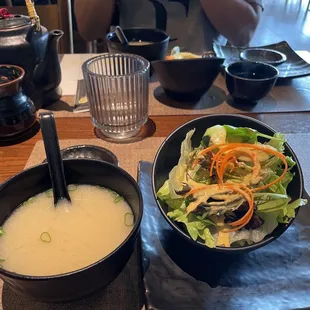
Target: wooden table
(13, 158)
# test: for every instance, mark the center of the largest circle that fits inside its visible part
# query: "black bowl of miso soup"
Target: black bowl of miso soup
(63, 253)
(152, 44)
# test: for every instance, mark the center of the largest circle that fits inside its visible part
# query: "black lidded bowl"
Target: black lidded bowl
(168, 156)
(155, 51)
(187, 79)
(77, 284)
(89, 152)
(265, 55)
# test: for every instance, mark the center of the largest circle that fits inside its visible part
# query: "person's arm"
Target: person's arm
(236, 20)
(93, 17)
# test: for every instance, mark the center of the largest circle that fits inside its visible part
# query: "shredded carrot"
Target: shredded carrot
(222, 167)
(227, 157)
(225, 161)
(249, 197)
(231, 146)
(210, 148)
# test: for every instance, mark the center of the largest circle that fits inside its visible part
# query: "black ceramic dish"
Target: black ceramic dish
(293, 67)
(168, 155)
(89, 152)
(249, 82)
(155, 51)
(187, 79)
(80, 283)
(17, 111)
(264, 55)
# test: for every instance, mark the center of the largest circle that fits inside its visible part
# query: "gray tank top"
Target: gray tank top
(184, 20)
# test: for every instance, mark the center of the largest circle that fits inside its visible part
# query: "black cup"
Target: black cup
(249, 82)
(156, 50)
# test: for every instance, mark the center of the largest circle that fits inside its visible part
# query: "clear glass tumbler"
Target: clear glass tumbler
(117, 87)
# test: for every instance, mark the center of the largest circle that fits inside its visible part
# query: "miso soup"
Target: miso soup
(139, 43)
(40, 239)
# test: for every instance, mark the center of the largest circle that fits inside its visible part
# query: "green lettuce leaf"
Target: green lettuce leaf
(278, 142)
(208, 238)
(177, 175)
(215, 134)
(289, 212)
(175, 214)
(285, 210)
(164, 192)
(240, 134)
(194, 224)
(273, 205)
(164, 195)
(249, 135)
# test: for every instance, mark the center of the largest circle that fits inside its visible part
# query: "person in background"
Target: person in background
(22, 2)
(193, 25)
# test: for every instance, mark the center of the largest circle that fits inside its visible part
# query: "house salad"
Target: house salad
(231, 190)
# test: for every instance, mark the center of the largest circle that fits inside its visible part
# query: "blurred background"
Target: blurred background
(287, 20)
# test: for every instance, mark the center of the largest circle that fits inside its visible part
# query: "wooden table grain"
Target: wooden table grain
(14, 157)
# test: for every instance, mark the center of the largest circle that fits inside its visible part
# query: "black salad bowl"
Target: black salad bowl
(168, 155)
(77, 284)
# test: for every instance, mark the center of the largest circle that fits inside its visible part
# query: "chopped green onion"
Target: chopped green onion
(30, 200)
(114, 194)
(2, 232)
(45, 237)
(72, 187)
(49, 193)
(129, 219)
(1, 261)
(118, 199)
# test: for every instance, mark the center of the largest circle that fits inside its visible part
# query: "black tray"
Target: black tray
(294, 66)
(179, 276)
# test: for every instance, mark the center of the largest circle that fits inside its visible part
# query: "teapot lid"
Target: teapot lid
(14, 21)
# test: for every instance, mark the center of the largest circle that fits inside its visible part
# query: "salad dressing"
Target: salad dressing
(223, 239)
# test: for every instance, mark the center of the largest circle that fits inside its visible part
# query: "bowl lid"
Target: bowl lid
(15, 21)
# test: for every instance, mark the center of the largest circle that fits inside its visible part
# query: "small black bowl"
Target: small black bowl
(264, 55)
(169, 153)
(89, 152)
(155, 51)
(187, 79)
(76, 284)
(249, 82)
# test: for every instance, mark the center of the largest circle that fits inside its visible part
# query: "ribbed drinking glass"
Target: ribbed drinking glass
(117, 87)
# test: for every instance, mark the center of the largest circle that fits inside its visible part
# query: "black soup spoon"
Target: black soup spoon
(53, 156)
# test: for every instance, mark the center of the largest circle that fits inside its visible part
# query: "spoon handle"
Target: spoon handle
(52, 150)
(120, 35)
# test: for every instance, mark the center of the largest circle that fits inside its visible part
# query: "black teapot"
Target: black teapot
(36, 51)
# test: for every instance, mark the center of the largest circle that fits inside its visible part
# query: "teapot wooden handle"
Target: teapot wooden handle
(35, 19)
